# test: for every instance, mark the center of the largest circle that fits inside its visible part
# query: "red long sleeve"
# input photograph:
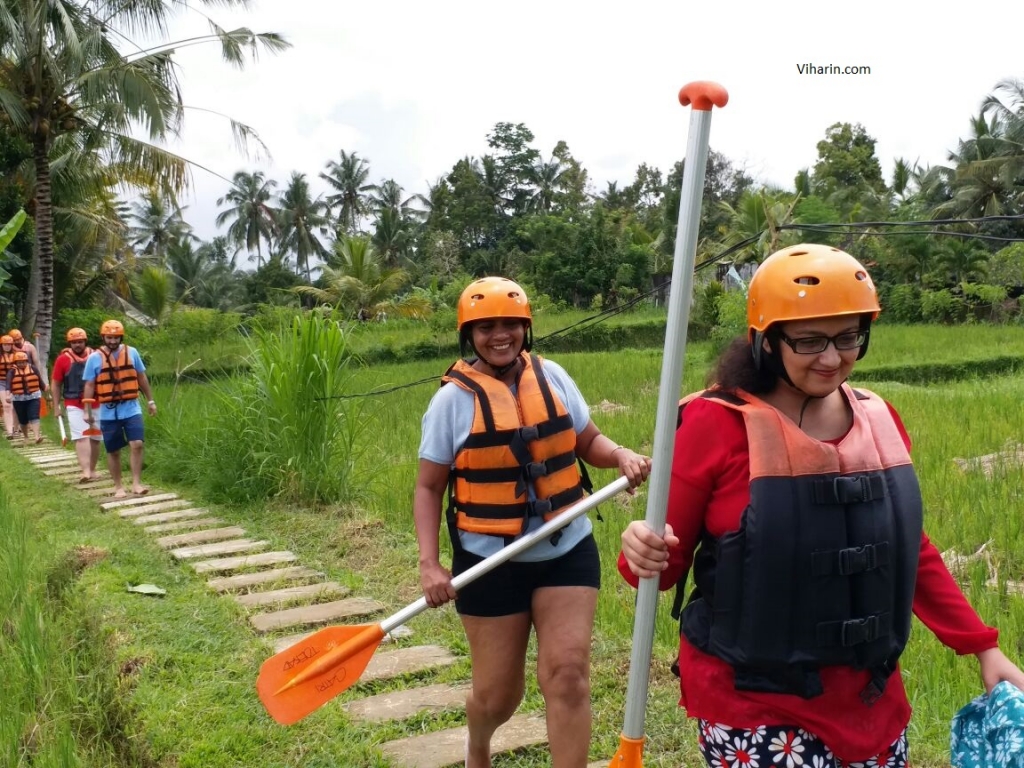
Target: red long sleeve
(710, 490)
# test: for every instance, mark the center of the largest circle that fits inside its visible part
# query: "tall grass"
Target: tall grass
(62, 701)
(284, 431)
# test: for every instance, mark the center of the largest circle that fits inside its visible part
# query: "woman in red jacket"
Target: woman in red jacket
(801, 520)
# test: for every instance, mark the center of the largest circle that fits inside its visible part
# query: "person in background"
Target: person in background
(502, 437)
(6, 408)
(794, 500)
(68, 389)
(27, 388)
(114, 376)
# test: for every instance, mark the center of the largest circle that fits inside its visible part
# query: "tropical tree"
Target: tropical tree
(63, 73)
(155, 225)
(357, 281)
(300, 219)
(348, 200)
(252, 218)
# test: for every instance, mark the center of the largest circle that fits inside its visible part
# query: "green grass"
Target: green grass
(189, 699)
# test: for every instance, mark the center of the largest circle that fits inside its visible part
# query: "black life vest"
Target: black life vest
(822, 569)
(74, 384)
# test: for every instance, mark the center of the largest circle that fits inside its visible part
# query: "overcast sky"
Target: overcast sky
(413, 86)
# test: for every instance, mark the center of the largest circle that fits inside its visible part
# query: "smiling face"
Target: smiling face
(819, 374)
(498, 341)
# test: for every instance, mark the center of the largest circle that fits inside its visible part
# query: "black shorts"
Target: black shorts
(508, 589)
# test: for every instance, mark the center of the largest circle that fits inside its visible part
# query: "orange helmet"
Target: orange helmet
(5, 339)
(111, 328)
(806, 281)
(21, 357)
(77, 334)
(16, 335)
(491, 297)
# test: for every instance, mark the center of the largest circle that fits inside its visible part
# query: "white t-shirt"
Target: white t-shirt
(448, 422)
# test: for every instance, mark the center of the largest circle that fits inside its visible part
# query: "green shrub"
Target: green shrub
(901, 304)
(942, 307)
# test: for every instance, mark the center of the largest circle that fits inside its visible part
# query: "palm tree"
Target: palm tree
(63, 73)
(392, 236)
(300, 218)
(548, 177)
(156, 226)
(758, 215)
(357, 281)
(252, 219)
(347, 178)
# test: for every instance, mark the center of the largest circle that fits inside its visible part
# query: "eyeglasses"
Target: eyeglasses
(815, 345)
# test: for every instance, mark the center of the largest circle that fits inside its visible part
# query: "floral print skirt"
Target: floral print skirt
(779, 746)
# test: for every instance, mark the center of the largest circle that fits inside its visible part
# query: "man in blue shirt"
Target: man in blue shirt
(114, 376)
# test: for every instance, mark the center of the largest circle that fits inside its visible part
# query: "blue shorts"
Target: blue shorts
(117, 433)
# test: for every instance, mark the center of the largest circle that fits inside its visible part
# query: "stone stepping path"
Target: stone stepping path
(163, 517)
(258, 581)
(246, 580)
(197, 522)
(399, 705)
(324, 613)
(448, 747)
(292, 594)
(222, 548)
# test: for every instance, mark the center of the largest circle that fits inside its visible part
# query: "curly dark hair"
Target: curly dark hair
(735, 369)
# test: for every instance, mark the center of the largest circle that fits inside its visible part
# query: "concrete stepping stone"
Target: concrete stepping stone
(48, 456)
(55, 461)
(200, 537)
(599, 764)
(399, 705)
(220, 548)
(247, 580)
(135, 501)
(288, 641)
(163, 517)
(448, 747)
(62, 471)
(246, 561)
(290, 594)
(151, 508)
(183, 525)
(407, 661)
(315, 614)
(96, 490)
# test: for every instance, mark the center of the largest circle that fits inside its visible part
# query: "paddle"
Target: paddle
(60, 425)
(307, 675)
(703, 95)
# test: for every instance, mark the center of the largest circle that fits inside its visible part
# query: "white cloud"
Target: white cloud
(414, 86)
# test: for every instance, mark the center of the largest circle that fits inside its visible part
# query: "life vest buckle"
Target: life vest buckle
(536, 469)
(857, 631)
(857, 559)
(540, 507)
(852, 490)
(529, 434)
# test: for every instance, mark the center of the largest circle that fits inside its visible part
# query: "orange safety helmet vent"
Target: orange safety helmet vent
(16, 335)
(493, 297)
(5, 339)
(77, 334)
(111, 328)
(806, 281)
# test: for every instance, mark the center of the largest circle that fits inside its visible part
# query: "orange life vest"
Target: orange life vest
(6, 363)
(516, 440)
(117, 380)
(25, 381)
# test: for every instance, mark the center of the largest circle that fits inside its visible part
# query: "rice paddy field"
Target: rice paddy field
(958, 390)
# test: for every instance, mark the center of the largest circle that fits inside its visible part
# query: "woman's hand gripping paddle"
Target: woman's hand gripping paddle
(307, 675)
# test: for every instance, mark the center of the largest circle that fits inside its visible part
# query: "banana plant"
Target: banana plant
(7, 235)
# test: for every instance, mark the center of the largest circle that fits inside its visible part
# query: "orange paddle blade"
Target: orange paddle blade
(307, 675)
(630, 753)
(43, 410)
